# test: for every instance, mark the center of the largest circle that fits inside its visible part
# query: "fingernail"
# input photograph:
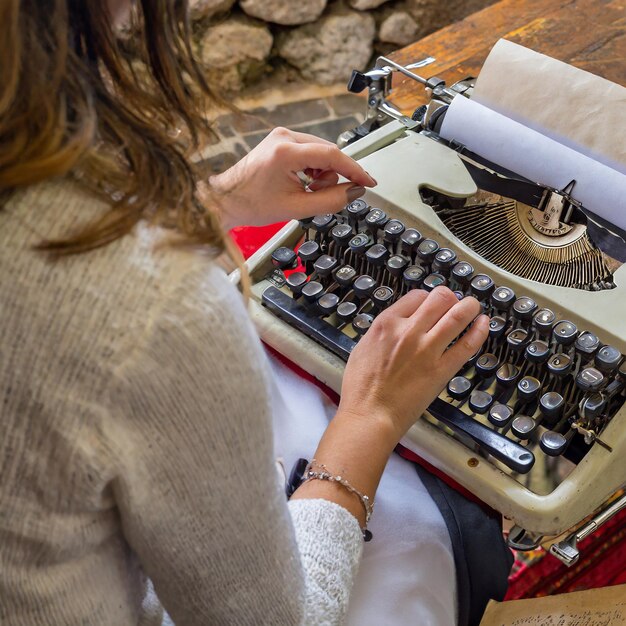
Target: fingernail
(373, 179)
(356, 191)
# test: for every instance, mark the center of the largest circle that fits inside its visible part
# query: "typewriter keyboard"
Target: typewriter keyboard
(539, 386)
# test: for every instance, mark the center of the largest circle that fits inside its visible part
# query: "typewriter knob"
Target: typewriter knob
(523, 426)
(427, 250)
(323, 223)
(462, 273)
(377, 254)
(284, 258)
(537, 351)
(396, 264)
(364, 285)
(345, 275)
(296, 281)
(413, 276)
(487, 365)
(309, 251)
(444, 260)
(459, 387)
(586, 345)
(480, 401)
(544, 320)
(552, 406)
(346, 311)
(362, 322)
(341, 234)
(410, 239)
(500, 415)
(482, 286)
(528, 389)
(382, 297)
(328, 303)
(502, 298)
(360, 243)
(565, 332)
(434, 280)
(393, 230)
(590, 379)
(375, 220)
(524, 307)
(560, 365)
(312, 291)
(554, 444)
(608, 359)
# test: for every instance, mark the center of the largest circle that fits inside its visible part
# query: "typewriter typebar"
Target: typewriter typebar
(534, 424)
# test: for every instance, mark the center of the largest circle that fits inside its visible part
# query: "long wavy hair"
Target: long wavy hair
(121, 114)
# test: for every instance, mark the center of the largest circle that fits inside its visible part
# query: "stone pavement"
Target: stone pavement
(324, 117)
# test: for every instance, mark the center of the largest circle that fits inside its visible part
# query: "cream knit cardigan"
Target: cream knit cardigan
(136, 444)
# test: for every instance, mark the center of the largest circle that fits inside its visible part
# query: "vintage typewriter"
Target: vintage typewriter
(535, 423)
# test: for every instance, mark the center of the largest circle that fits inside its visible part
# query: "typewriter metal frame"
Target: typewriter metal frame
(425, 162)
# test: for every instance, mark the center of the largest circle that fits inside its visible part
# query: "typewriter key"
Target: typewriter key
(284, 258)
(481, 286)
(524, 307)
(500, 415)
(360, 243)
(433, 280)
(497, 326)
(410, 239)
(554, 444)
(362, 322)
(325, 264)
(523, 426)
(480, 401)
(346, 311)
(312, 291)
(502, 298)
(537, 351)
(357, 210)
(586, 345)
(590, 379)
(608, 359)
(552, 406)
(528, 389)
(462, 272)
(459, 295)
(396, 264)
(341, 234)
(345, 275)
(327, 304)
(560, 365)
(364, 285)
(393, 230)
(382, 297)
(413, 276)
(444, 260)
(486, 365)
(375, 219)
(518, 339)
(296, 281)
(459, 387)
(592, 405)
(309, 251)
(377, 254)
(323, 223)
(507, 375)
(427, 250)
(544, 320)
(565, 332)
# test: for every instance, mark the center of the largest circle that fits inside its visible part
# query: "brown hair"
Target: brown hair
(73, 102)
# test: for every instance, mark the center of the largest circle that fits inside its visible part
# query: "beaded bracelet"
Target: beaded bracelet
(325, 474)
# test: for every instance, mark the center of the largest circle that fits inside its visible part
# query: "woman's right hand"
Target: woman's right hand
(403, 362)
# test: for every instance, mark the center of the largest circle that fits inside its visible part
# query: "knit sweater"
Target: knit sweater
(136, 446)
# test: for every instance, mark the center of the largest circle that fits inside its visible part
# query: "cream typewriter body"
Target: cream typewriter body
(547, 381)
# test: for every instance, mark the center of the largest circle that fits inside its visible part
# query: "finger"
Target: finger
(324, 180)
(455, 357)
(306, 138)
(440, 300)
(407, 304)
(328, 157)
(455, 321)
(328, 199)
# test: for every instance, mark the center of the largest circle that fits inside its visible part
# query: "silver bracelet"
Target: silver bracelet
(325, 474)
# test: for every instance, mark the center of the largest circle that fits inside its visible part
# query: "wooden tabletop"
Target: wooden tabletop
(590, 34)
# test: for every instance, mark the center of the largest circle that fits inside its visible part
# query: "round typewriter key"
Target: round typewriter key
(523, 426)
(524, 307)
(393, 230)
(507, 375)
(459, 387)
(362, 322)
(410, 239)
(364, 285)
(376, 219)
(327, 304)
(565, 332)
(590, 379)
(486, 365)
(528, 389)
(560, 365)
(413, 276)
(325, 264)
(551, 406)
(480, 401)
(553, 444)
(341, 234)
(284, 258)
(518, 339)
(592, 405)
(382, 297)
(444, 260)
(502, 298)
(296, 281)
(497, 326)
(377, 254)
(346, 311)
(586, 345)
(309, 251)
(323, 223)
(427, 250)
(544, 320)
(396, 264)
(537, 351)
(462, 272)
(360, 243)
(608, 359)
(434, 280)
(345, 275)
(312, 291)
(482, 286)
(500, 414)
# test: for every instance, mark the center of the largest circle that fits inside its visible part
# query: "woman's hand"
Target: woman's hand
(265, 186)
(403, 362)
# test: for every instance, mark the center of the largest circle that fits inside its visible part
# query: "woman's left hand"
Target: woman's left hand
(266, 185)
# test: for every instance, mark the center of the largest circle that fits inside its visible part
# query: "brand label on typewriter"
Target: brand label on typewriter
(277, 278)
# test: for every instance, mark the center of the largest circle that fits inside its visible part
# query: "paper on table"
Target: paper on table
(520, 149)
(577, 108)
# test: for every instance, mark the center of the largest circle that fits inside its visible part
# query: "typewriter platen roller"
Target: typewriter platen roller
(534, 424)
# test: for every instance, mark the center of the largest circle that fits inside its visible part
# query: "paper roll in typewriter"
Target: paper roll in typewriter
(511, 190)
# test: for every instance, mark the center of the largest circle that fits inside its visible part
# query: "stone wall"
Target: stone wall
(320, 41)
